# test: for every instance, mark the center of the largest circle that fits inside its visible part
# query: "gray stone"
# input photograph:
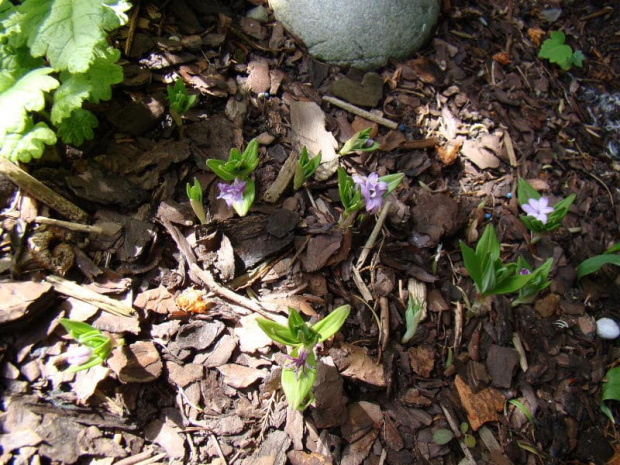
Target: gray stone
(360, 33)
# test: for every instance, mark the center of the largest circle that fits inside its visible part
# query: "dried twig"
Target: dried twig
(359, 112)
(205, 277)
(41, 192)
(373, 235)
(66, 287)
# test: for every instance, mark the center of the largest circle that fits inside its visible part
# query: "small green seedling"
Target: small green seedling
(541, 218)
(538, 282)
(241, 193)
(490, 275)
(299, 373)
(359, 142)
(611, 390)
(95, 347)
(180, 102)
(593, 264)
(357, 192)
(239, 165)
(413, 315)
(194, 194)
(305, 168)
(443, 436)
(556, 51)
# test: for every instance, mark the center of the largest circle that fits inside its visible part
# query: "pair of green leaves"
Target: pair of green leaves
(297, 385)
(359, 142)
(100, 344)
(556, 51)
(413, 314)
(194, 194)
(486, 268)
(239, 165)
(525, 192)
(305, 168)
(180, 101)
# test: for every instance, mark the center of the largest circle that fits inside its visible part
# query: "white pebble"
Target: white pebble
(607, 328)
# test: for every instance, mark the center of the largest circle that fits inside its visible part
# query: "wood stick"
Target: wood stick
(205, 277)
(373, 235)
(41, 192)
(66, 287)
(359, 112)
(283, 180)
(77, 227)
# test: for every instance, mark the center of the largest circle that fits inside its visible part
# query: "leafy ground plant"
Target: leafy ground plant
(299, 373)
(490, 275)
(55, 56)
(305, 168)
(180, 103)
(541, 217)
(194, 194)
(357, 192)
(359, 142)
(240, 194)
(95, 347)
(556, 51)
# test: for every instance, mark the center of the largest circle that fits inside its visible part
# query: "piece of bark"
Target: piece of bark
(137, 363)
(481, 406)
(24, 300)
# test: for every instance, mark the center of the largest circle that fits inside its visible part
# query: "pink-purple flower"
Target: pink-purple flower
(539, 209)
(232, 193)
(372, 190)
(299, 363)
(78, 355)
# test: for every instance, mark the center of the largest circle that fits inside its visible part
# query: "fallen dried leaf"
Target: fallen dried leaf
(481, 406)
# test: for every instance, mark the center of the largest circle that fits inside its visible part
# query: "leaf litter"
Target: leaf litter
(197, 382)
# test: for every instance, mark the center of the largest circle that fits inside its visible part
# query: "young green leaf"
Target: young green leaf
(593, 264)
(330, 325)
(78, 127)
(611, 390)
(442, 436)
(525, 192)
(392, 181)
(277, 332)
(76, 328)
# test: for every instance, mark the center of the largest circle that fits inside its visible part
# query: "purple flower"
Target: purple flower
(299, 363)
(372, 191)
(539, 209)
(232, 193)
(78, 355)
(524, 272)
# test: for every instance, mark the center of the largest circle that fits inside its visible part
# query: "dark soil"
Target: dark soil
(197, 381)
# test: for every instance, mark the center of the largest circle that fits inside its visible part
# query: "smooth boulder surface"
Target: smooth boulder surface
(360, 33)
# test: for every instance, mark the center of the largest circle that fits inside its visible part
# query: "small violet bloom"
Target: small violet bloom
(79, 355)
(372, 191)
(539, 209)
(231, 193)
(524, 272)
(298, 363)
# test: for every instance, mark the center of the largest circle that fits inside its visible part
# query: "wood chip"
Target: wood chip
(481, 406)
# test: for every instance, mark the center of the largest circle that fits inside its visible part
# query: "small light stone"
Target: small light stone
(607, 328)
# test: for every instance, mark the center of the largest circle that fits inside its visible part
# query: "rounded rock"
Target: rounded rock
(359, 33)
